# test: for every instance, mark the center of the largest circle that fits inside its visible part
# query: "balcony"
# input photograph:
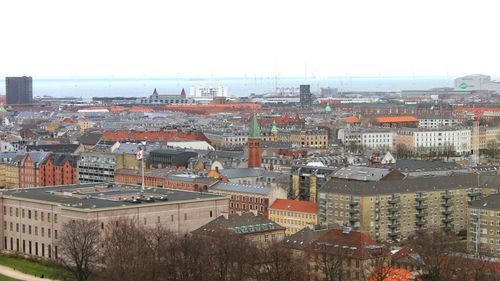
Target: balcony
(447, 203)
(353, 211)
(421, 207)
(353, 203)
(393, 226)
(447, 196)
(447, 212)
(392, 209)
(447, 220)
(420, 199)
(393, 235)
(449, 226)
(421, 215)
(354, 219)
(393, 200)
(421, 222)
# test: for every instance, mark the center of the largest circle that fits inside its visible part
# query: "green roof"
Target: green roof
(254, 128)
(328, 108)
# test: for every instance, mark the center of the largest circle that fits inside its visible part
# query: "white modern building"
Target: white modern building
(477, 82)
(436, 122)
(207, 93)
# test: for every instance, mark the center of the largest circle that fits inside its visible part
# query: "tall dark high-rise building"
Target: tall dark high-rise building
(19, 90)
(306, 97)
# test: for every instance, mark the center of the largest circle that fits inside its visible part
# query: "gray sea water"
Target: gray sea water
(243, 86)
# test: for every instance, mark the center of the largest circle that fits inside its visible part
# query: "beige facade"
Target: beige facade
(487, 137)
(310, 138)
(32, 226)
(12, 175)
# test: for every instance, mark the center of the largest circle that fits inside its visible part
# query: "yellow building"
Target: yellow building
(484, 229)
(12, 175)
(294, 214)
(392, 210)
(310, 138)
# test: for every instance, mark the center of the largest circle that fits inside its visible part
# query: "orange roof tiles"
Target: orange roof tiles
(295, 206)
(393, 274)
(353, 119)
(396, 119)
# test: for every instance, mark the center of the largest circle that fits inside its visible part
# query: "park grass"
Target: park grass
(5, 278)
(34, 267)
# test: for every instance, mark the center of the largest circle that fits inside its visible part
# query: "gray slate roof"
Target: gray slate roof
(361, 188)
(242, 188)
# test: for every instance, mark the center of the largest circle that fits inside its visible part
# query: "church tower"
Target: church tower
(254, 149)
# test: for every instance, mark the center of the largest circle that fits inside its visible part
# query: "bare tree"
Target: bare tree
(328, 260)
(433, 247)
(280, 264)
(187, 260)
(79, 247)
(126, 256)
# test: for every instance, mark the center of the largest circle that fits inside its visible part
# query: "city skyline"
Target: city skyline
(258, 39)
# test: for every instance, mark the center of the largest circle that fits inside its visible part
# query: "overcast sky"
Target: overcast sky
(249, 38)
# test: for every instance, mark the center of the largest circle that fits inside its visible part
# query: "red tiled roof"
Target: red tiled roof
(356, 244)
(396, 119)
(295, 206)
(353, 119)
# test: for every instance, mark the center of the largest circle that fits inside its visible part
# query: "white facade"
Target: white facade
(434, 123)
(441, 140)
(208, 92)
(367, 139)
(381, 140)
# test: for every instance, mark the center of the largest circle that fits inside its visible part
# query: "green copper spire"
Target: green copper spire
(254, 128)
(274, 130)
(328, 108)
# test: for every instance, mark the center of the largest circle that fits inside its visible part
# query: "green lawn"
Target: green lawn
(5, 278)
(36, 268)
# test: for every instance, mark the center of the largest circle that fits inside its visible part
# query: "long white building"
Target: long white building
(458, 140)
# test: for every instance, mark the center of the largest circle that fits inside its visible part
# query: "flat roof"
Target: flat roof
(103, 195)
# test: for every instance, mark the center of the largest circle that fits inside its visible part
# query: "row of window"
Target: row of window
(30, 213)
(37, 249)
(292, 214)
(28, 229)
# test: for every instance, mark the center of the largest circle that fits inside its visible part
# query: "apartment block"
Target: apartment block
(484, 229)
(392, 210)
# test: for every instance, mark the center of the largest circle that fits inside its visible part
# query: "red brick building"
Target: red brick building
(244, 198)
(59, 169)
(29, 169)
